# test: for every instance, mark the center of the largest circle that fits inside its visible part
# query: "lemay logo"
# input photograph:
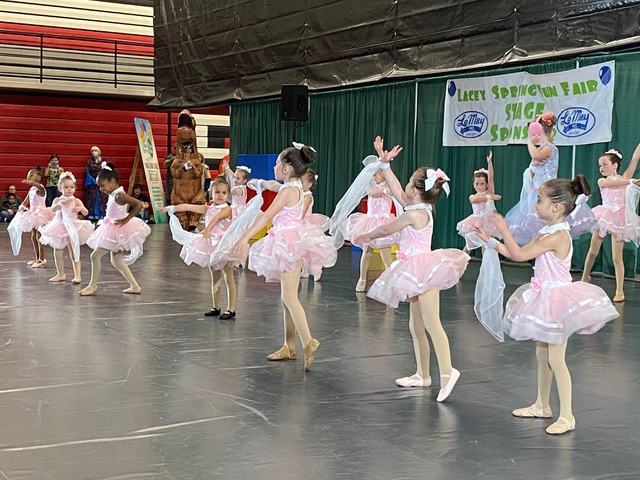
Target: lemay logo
(575, 122)
(470, 124)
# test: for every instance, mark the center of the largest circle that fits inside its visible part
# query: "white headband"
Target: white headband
(614, 152)
(432, 175)
(104, 166)
(300, 145)
(68, 175)
(242, 167)
(481, 170)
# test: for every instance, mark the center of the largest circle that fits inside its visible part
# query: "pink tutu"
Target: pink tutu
(614, 222)
(555, 310)
(360, 223)
(412, 275)
(284, 246)
(125, 238)
(36, 218)
(199, 251)
(466, 226)
(318, 220)
(55, 233)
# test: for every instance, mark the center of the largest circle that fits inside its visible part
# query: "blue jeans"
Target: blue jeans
(144, 214)
(5, 217)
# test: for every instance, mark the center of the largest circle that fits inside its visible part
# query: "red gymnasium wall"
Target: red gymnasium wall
(32, 127)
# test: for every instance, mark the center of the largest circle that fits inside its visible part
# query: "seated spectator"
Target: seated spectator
(138, 195)
(11, 191)
(9, 207)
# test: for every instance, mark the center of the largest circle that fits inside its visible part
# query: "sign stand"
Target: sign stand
(147, 153)
(135, 177)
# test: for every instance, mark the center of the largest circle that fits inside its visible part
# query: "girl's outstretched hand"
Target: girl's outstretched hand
(240, 249)
(383, 154)
(490, 157)
(484, 236)
(499, 221)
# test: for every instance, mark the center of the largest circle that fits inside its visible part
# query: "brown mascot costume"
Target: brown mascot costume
(186, 169)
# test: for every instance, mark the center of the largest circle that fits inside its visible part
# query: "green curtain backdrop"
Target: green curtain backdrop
(343, 124)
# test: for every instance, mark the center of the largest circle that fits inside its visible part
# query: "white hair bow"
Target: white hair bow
(481, 170)
(317, 177)
(68, 175)
(432, 175)
(580, 201)
(300, 145)
(614, 152)
(104, 166)
(242, 167)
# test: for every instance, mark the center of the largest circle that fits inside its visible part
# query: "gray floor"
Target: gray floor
(125, 387)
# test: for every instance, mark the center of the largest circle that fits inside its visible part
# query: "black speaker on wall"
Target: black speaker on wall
(294, 103)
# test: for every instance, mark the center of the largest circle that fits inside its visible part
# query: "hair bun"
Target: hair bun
(308, 154)
(581, 185)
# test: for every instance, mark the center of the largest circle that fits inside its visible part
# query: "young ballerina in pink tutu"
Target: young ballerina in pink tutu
(616, 216)
(65, 230)
(198, 247)
(551, 308)
(418, 274)
(32, 215)
(238, 180)
(482, 206)
(308, 181)
(379, 203)
(288, 245)
(320, 221)
(119, 232)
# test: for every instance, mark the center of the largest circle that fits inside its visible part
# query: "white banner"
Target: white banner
(496, 110)
(149, 158)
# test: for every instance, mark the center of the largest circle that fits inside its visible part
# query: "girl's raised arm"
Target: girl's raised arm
(491, 187)
(538, 155)
(633, 164)
(392, 181)
(41, 191)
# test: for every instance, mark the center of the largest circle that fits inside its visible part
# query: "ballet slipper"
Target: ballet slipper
(285, 353)
(58, 278)
(89, 290)
(562, 425)
(31, 262)
(361, 285)
(618, 297)
(309, 353)
(133, 291)
(413, 381)
(76, 280)
(446, 390)
(532, 411)
(38, 264)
